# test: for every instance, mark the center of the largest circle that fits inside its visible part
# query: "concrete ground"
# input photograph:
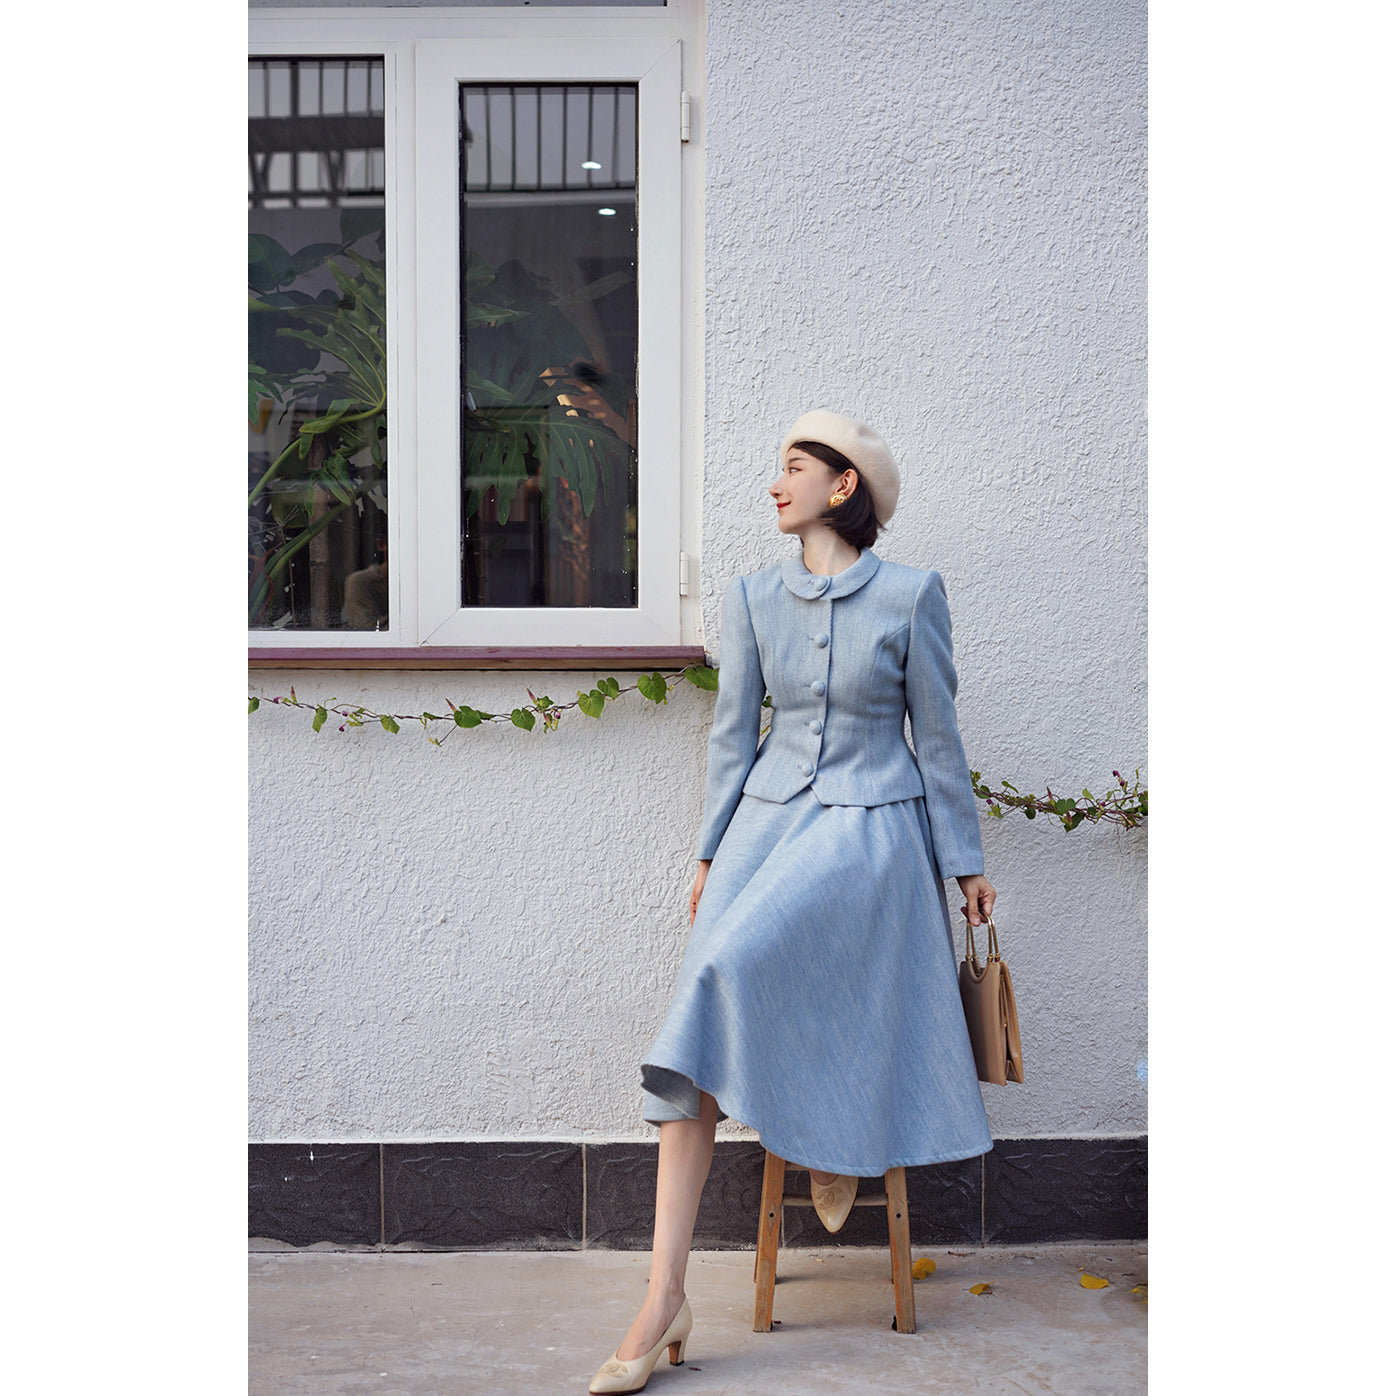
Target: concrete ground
(412, 1323)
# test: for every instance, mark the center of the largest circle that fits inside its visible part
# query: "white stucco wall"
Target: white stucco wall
(928, 215)
(471, 941)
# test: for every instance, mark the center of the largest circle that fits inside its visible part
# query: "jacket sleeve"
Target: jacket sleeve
(736, 718)
(930, 699)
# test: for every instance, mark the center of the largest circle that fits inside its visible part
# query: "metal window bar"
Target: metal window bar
(489, 143)
(357, 129)
(615, 133)
(295, 117)
(591, 126)
(622, 98)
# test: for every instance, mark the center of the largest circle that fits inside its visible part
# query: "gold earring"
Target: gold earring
(837, 498)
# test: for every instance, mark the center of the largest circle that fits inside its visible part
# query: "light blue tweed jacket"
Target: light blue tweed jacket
(844, 658)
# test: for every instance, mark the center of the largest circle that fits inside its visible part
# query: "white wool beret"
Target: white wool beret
(877, 471)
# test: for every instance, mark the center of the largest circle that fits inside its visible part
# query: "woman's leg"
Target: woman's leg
(685, 1155)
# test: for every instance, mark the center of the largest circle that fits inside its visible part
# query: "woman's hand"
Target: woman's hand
(979, 898)
(697, 892)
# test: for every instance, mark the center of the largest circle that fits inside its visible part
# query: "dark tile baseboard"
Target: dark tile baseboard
(556, 1196)
(304, 1193)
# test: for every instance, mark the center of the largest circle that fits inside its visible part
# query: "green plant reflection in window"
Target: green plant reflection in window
(319, 363)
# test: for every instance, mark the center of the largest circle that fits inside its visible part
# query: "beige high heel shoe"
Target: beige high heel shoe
(833, 1201)
(616, 1376)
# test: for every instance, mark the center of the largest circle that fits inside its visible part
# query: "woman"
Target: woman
(817, 999)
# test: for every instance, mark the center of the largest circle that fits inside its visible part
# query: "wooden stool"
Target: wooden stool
(774, 1198)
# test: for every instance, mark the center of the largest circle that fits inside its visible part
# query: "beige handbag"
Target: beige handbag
(990, 1012)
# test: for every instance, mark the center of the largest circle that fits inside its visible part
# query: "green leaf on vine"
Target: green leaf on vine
(1128, 808)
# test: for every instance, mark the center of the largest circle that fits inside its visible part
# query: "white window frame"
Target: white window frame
(426, 54)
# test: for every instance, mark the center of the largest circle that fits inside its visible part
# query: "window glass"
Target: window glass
(549, 332)
(317, 517)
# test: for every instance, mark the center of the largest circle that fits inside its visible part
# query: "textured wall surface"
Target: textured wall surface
(932, 216)
(473, 941)
(927, 215)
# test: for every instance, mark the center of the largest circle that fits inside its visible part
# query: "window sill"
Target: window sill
(640, 657)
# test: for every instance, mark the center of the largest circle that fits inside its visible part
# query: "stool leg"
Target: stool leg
(768, 1241)
(899, 1234)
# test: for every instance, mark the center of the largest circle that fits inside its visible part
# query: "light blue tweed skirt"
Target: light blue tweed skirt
(818, 998)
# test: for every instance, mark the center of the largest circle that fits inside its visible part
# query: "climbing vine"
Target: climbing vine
(1125, 804)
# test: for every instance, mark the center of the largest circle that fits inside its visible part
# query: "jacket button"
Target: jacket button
(821, 639)
(817, 688)
(807, 769)
(816, 727)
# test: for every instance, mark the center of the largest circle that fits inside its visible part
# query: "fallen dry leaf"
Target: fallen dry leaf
(1093, 1282)
(922, 1268)
(982, 1288)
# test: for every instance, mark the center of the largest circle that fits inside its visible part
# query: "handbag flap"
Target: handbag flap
(1008, 1014)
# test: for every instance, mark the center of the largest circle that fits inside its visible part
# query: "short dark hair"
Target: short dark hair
(855, 520)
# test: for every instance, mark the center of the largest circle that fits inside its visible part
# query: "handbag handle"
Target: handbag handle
(993, 942)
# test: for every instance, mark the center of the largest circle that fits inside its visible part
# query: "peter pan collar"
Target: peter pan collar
(810, 586)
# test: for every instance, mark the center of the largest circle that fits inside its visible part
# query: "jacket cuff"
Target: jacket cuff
(966, 870)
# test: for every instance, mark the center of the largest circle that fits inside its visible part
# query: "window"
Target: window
(549, 320)
(465, 332)
(317, 513)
